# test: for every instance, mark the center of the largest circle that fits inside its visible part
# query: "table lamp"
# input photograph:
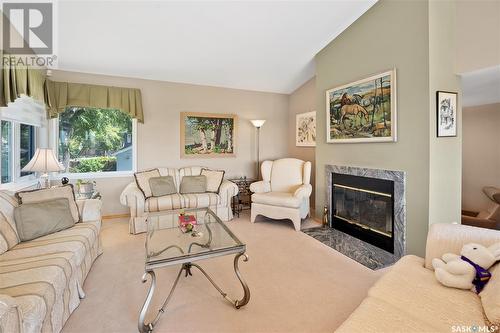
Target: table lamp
(44, 161)
(258, 124)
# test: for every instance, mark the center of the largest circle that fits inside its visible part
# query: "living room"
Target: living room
(313, 163)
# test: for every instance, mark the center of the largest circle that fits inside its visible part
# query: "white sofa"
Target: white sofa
(219, 203)
(408, 298)
(284, 191)
(41, 280)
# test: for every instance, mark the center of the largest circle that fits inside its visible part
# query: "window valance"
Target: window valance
(59, 95)
(19, 80)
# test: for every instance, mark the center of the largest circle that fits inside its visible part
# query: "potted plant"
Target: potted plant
(85, 187)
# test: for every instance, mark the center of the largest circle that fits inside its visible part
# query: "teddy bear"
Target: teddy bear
(469, 270)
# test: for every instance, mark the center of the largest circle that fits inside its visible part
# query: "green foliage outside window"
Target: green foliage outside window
(89, 138)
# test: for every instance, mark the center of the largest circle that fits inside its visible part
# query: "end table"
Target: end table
(243, 200)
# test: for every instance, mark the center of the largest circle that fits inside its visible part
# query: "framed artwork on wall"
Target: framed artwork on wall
(305, 129)
(208, 135)
(363, 111)
(446, 113)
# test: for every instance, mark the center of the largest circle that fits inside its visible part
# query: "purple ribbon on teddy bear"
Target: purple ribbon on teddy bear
(482, 275)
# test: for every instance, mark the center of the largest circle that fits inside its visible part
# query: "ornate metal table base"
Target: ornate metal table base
(144, 328)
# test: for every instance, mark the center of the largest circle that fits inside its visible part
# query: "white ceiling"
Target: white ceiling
(258, 45)
(481, 87)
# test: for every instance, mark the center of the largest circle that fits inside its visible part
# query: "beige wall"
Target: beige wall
(158, 137)
(477, 34)
(481, 154)
(401, 35)
(445, 153)
(359, 52)
(303, 99)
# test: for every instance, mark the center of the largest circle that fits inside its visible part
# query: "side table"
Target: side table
(243, 200)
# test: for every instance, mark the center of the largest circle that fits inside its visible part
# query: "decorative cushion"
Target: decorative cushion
(42, 218)
(490, 296)
(142, 180)
(7, 204)
(8, 234)
(193, 184)
(161, 186)
(56, 192)
(214, 179)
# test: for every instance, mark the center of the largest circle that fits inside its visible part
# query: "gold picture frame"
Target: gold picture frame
(363, 111)
(208, 135)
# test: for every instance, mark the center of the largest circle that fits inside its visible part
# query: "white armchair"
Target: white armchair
(284, 191)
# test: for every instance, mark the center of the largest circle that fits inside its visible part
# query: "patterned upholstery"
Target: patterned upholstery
(201, 200)
(41, 280)
(139, 207)
(166, 202)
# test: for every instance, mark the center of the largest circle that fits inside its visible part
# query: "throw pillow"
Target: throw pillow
(142, 181)
(214, 179)
(193, 184)
(42, 218)
(8, 234)
(56, 192)
(490, 296)
(161, 186)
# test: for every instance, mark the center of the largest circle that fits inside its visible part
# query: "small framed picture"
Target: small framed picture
(305, 129)
(446, 111)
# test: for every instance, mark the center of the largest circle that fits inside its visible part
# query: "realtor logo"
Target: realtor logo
(27, 28)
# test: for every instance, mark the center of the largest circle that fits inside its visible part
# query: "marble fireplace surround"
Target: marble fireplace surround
(357, 249)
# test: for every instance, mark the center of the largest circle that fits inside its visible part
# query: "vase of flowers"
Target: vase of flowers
(187, 223)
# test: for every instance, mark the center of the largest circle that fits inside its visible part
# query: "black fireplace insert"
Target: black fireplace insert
(363, 207)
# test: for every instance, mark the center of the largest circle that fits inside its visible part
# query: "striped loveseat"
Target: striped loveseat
(41, 280)
(219, 203)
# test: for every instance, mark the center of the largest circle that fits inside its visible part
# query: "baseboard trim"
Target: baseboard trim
(115, 216)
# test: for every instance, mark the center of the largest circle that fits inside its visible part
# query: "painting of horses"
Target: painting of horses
(305, 129)
(362, 111)
(208, 135)
(446, 105)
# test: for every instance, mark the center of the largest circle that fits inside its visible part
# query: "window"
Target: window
(93, 140)
(22, 123)
(6, 149)
(27, 146)
(17, 147)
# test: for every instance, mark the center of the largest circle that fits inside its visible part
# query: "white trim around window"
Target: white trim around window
(54, 144)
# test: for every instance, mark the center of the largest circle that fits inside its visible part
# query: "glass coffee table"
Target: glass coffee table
(167, 244)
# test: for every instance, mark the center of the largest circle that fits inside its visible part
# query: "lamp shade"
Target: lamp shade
(258, 122)
(43, 161)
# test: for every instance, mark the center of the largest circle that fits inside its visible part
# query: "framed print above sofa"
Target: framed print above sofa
(362, 111)
(208, 135)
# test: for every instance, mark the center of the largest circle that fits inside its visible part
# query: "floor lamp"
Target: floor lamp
(258, 124)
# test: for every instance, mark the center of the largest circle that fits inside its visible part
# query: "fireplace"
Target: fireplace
(366, 214)
(363, 207)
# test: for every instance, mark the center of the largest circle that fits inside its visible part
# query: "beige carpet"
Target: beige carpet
(297, 284)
